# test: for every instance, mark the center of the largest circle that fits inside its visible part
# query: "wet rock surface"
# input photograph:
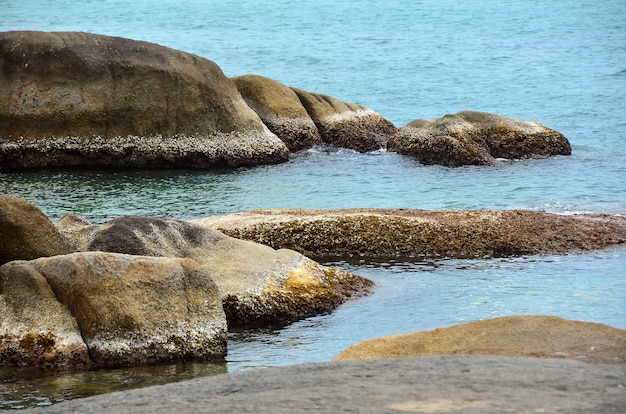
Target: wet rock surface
(443, 384)
(518, 336)
(422, 233)
(476, 138)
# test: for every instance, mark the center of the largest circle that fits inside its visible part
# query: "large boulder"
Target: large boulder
(421, 233)
(280, 109)
(519, 336)
(129, 310)
(259, 285)
(80, 99)
(346, 125)
(35, 328)
(26, 233)
(476, 138)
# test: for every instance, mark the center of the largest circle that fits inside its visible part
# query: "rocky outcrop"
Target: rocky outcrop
(422, 233)
(259, 285)
(476, 138)
(127, 309)
(280, 109)
(519, 336)
(79, 99)
(26, 233)
(346, 125)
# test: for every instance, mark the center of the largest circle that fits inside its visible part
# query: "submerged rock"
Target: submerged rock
(26, 233)
(346, 125)
(78, 99)
(280, 109)
(259, 285)
(519, 336)
(128, 310)
(476, 138)
(422, 233)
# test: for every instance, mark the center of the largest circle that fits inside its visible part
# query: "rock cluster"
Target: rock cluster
(518, 336)
(476, 138)
(139, 290)
(422, 233)
(303, 119)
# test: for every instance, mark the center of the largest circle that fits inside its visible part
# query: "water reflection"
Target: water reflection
(33, 387)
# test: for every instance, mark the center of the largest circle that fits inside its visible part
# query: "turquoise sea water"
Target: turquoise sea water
(562, 63)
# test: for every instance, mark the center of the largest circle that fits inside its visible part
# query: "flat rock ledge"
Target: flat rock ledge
(517, 336)
(441, 384)
(408, 233)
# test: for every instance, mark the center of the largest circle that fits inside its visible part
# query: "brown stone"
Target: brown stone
(259, 285)
(280, 109)
(26, 233)
(35, 328)
(346, 125)
(79, 99)
(422, 233)
(519, 336)
(476, 138)
(136, 310)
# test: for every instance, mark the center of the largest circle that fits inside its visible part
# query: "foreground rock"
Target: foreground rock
(450, 384)
(259, 285)
(128, 310)
(519, 336)
(476, 138)
(346, 125)
(26, 233)
(35, 328)
(422, 233)
(77, 99)
(280, 109)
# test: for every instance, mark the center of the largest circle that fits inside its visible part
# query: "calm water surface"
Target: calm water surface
(559, 62)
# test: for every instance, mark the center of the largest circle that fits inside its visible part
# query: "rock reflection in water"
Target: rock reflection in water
(33, 387)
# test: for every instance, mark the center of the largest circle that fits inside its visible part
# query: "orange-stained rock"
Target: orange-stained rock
(520, 336)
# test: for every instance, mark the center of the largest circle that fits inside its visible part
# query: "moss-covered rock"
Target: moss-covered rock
(476, 138)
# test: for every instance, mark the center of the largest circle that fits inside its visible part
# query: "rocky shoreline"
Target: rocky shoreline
(71, 99)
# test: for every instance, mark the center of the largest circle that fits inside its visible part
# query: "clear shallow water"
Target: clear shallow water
(560, 62)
